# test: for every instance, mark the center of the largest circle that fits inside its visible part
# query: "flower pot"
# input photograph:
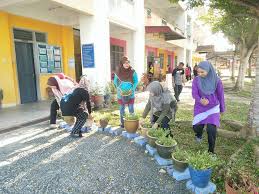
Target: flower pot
(165, 151)
(179, 165)
(230, 190)
(103, 123)
(143, 131)
(131, 126)
(200, 178)
(97, 100)
(151, 140)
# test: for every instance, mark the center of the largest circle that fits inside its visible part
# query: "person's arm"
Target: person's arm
(135, 81)
(166, 108)
(147, 109)
(173, 74)
(86, 99)
(220, 95)
(195, 91)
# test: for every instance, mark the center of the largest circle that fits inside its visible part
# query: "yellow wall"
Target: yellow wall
(56, 34)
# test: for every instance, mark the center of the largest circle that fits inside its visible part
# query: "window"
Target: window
(117, 52)
(161, 56)
(148, 12)
(40, 37)
(22, 34)
(164, 22)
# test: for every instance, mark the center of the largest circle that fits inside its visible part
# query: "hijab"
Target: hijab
(125, 74)
(84, 83)
(208, 84)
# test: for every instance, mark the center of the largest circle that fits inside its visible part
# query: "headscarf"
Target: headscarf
(208, 84)
(161, 96)
(125, 74)
(84, 83)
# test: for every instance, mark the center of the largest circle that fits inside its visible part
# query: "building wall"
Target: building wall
(56, 35)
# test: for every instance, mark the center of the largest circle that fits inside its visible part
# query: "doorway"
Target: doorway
(77, 53)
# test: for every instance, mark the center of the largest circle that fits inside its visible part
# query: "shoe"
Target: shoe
(198, 139)
(80, 134)
(53, 126)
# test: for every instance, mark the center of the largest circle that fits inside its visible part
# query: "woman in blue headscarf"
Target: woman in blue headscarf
(208, 93)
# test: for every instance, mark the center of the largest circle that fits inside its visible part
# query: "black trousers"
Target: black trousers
(81, 117)
(53, 111)
(164, 124)
(211, 131)
(177, 91)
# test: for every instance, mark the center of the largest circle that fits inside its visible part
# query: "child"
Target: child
(208, 93)
(126, 81)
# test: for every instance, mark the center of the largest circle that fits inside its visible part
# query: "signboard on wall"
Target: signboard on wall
(88, 55)
(49, 58)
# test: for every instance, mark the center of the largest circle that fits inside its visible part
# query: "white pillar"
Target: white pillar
(95, 29)
(139, 38)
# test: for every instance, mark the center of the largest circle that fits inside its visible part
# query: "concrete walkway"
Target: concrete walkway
(24, 114)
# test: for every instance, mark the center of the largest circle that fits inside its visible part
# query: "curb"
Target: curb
(25, 124)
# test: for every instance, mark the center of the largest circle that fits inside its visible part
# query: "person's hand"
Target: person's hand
(90, 117)
(155, 126)
(204, 101)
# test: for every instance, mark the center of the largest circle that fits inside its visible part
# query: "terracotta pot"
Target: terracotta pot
(165, 151)
(230, 190)
(103, 123)
(151, 140)
(97, 100)
(143, 131)
(179, 165)
(131, 126)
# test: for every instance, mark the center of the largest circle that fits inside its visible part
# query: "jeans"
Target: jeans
(122, 112)
(164, 124)
(211, 131)
(177, 91)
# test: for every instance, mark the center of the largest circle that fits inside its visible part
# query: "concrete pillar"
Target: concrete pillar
(95, 29)
(139, 38)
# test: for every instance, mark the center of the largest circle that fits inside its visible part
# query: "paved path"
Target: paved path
(37, 160)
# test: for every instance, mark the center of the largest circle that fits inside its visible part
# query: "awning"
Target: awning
(166, 30)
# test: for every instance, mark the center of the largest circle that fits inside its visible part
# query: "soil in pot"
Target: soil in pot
(131, 126)
(179, 165)
(200, 178)
(165, 151)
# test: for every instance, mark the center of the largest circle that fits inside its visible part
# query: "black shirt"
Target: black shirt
(70, 103)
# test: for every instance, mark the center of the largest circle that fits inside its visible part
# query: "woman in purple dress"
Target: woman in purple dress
(208, 93)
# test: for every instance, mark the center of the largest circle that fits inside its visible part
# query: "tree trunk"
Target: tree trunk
(233, 69)
(250, 67)
(242, 70)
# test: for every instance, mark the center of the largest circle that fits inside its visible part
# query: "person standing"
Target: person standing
(126, 81)
(188, 72)
(177, 74)
(195, 73)
(208, 93)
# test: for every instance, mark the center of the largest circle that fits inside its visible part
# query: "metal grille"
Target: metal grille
(22, 34)
(40, 37)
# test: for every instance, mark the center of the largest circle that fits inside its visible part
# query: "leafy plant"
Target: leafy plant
(180, 155)
(166, 141)
(97, 90)
(147, 124)
(112, 88)
(131, 117)
(156, 132)
(202, 161)
(104, 116)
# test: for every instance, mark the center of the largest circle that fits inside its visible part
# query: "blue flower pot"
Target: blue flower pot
(200, 178)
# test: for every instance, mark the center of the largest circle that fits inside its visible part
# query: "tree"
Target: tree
(241, 31)
(251, 7)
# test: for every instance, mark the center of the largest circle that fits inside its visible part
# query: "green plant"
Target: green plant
(156, 132)
(180, 155)
(97, 90)
(202, 161)
(105, 116)
(112, 88)
(131, 117)
(146, 123)
(166, 141)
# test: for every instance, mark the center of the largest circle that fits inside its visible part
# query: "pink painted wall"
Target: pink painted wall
(151, 49)
(119, 42)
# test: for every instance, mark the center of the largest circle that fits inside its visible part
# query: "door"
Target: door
(26, 72)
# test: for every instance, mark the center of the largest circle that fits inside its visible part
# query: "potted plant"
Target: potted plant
(153, 135)
(180, 160)
(131, 123)
(104, 120)
(113, 91)
(145, 126)
(239, 181)
(165, 146)
(97, 96)
(200, 166)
